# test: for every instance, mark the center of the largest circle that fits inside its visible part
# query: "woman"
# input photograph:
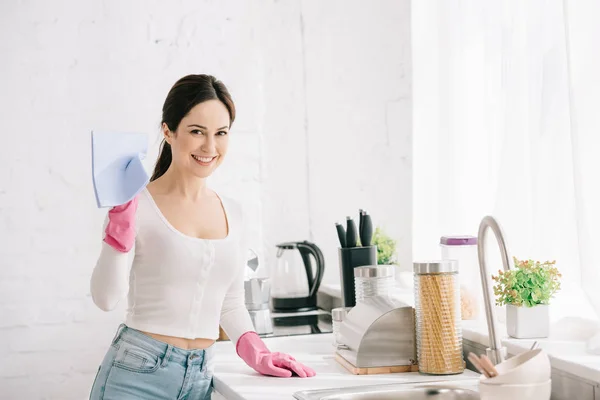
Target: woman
(177, 251)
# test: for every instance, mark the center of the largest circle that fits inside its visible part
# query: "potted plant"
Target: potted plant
(386, 247)
(526, 291)
(387, 254)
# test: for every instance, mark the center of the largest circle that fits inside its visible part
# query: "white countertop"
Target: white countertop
(234, 380)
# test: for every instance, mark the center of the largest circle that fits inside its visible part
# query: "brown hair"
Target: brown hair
(185, 94)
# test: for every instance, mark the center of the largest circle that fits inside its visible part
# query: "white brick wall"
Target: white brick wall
(324, 118)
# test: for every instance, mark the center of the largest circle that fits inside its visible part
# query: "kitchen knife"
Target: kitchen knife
(366, 233)
(351, 234)
(341, 234)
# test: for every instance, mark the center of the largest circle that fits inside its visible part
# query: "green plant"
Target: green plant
(386, 247)
(528, 284)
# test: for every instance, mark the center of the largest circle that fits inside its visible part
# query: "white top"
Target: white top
(177, 285)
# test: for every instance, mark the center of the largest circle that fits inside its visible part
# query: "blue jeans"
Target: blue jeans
(137, 366)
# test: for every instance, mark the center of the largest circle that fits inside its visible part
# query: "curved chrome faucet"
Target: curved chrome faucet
(496, 352)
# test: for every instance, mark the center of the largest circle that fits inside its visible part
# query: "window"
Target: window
(507, 123)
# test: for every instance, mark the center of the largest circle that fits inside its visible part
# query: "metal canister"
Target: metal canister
(438, 317)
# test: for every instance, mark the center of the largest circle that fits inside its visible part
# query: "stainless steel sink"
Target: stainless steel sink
(392, 392)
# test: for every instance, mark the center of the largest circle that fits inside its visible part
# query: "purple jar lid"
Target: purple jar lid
(458, 240)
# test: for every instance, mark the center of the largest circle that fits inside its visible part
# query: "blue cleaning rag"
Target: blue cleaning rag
(117, 170)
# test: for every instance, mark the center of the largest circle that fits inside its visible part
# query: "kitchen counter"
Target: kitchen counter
(566, 345)
(575, 372)
(234, 380)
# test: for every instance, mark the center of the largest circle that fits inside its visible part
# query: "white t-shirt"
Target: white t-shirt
(177, 285)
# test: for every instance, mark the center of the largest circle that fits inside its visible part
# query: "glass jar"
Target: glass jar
(464, 250)
(373, 280)
(438, 319)
(337, 317)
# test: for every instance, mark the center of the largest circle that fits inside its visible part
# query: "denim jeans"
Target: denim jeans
(137, 366)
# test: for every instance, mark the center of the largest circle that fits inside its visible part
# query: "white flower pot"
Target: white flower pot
(528, 322)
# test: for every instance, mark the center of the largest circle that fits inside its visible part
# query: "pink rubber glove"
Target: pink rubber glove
(255, 353)
(120, 230)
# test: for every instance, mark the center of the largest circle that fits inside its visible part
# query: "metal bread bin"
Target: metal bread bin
(378, 332)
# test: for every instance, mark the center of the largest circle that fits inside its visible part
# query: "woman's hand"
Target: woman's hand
(120, 230)
(255, 353)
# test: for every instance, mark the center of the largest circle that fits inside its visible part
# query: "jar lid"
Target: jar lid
(458, 240)
(374, 271)
(338, 314)
(435, 267)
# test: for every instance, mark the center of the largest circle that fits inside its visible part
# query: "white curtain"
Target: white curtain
(506, 123)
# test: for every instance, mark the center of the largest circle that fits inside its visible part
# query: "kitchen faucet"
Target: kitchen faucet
(496, 352)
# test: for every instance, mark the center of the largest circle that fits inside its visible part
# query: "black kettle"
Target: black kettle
(296, 277)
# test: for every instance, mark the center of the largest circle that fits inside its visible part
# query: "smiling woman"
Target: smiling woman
(176, 251)
(192, 99)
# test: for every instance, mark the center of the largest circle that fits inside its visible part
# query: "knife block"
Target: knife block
(350, 258)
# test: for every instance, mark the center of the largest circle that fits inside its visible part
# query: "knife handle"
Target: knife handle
(366, 234)
(341, 234)
(361, 212)
(351, 234)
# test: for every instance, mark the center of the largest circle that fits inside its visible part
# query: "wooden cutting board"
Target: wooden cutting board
(374, 370)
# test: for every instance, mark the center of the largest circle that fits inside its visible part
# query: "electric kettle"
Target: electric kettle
(296, 277)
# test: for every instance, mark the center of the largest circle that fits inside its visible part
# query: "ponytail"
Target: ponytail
(163, 162)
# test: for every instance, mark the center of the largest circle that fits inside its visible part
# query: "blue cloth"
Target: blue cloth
(117, 170)
(139, 367)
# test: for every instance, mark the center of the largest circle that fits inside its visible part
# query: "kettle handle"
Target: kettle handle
(312, 249)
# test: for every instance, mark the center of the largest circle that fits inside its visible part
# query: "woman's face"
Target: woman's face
(201, 140)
